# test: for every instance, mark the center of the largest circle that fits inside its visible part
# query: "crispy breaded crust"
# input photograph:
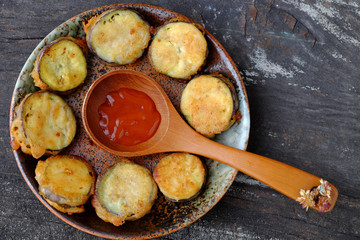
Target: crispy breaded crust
(17, 132)
(44, 124)
(124, 191)
(208, 104)
(63, 208)
(21, 137)
(105, 215)
(180, 176)
(179, 49)
(61, 65)
(66, 182)
(118, 36)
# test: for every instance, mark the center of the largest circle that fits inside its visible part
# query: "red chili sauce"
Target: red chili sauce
(128, 117)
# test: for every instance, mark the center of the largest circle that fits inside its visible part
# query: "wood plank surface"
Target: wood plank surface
(300, 64)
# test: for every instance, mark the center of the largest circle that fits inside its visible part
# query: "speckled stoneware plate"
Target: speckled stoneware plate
(165, 217)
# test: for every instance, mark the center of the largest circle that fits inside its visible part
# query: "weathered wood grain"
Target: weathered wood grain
(300, 63)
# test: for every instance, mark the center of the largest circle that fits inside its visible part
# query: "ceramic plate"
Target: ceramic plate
(165, 217)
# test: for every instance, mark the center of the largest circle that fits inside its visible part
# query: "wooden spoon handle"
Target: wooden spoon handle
(284, 178)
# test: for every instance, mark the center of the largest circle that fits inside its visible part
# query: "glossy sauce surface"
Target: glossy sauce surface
(128, 117)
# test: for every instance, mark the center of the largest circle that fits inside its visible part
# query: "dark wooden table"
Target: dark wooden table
(300, 62)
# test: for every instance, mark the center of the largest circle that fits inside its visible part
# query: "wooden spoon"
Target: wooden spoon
(175, 135)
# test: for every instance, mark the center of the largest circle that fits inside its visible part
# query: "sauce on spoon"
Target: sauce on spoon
(128, 117)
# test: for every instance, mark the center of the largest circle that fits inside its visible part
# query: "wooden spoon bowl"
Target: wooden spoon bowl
(96, 96)
(175, 135)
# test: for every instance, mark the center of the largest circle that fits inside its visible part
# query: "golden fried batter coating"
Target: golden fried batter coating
(208, 105)
(125, 191)
(180, 176)
(44, 124)
(66, 182)
(179, 50)
(118, 36)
